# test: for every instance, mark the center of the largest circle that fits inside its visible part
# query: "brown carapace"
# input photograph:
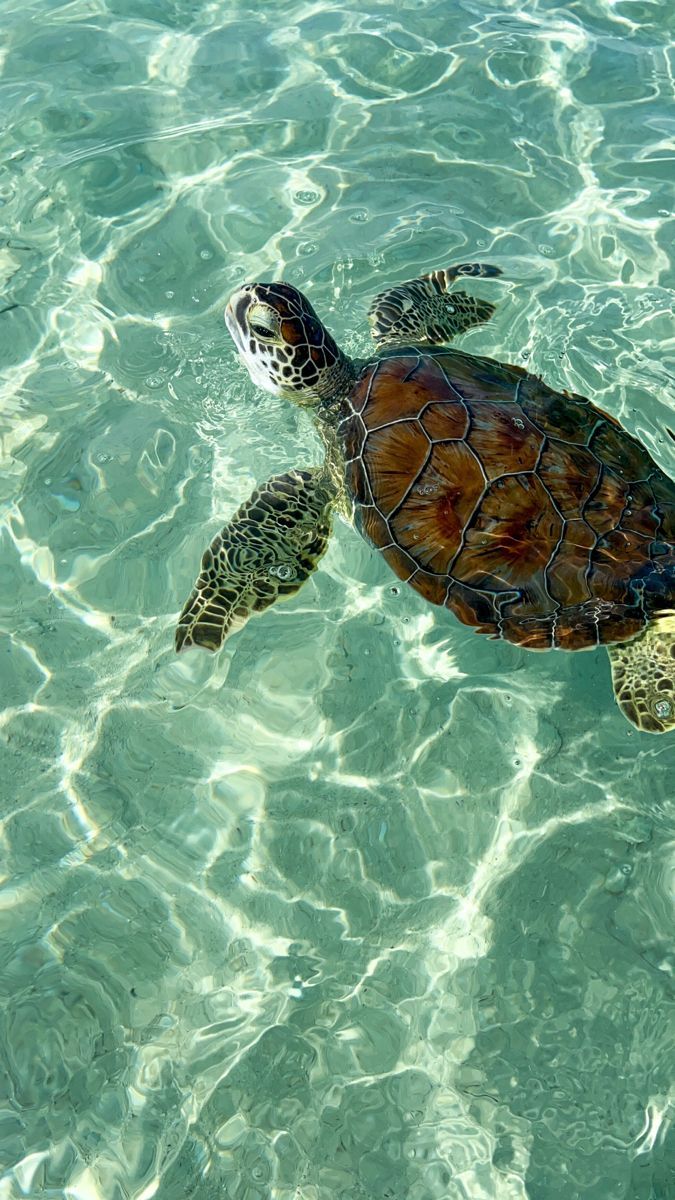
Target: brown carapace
(530, 513)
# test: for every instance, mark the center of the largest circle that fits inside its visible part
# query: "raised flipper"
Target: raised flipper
(643, 675)
(421, 310)
(265, 553)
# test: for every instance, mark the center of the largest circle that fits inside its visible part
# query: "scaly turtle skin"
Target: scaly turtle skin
(530, 513)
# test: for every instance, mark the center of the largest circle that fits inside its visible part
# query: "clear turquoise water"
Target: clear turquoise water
(368, 908)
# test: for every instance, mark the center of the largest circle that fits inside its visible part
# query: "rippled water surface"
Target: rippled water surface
(368, 907)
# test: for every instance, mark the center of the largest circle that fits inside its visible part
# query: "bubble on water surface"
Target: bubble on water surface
(306, 197)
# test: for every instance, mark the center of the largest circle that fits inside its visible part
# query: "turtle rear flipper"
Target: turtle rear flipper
(422, 310)
(265, 553)
(643, 676)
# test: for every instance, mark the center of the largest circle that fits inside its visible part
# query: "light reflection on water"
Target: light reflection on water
(367, 907)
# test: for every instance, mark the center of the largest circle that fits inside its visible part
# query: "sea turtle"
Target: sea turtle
(529, 512)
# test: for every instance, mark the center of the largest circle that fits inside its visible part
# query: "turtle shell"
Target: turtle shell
(530, 513)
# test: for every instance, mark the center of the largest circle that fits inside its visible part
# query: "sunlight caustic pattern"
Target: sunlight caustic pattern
(367, 908)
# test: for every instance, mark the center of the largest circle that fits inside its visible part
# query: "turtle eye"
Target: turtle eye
(259, 330)
(263, 322)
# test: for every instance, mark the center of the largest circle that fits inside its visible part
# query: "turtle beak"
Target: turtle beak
(235, 313)
(230, 321)
(249, 354)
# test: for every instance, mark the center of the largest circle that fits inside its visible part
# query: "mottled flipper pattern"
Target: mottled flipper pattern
(643, 675)
(265, 553)
(421, 310)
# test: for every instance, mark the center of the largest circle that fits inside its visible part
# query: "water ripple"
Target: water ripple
(368, 907)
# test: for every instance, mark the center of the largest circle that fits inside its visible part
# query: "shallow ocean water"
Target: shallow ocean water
(368, 907)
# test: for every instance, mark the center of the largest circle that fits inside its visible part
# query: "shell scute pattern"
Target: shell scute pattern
(606, 503)
(661, 489)
(504, 439)
(418, 385)
(480, 380)
(446, 421)
(512, 537)
(401, 563)
(431, 522)
(567, 584)
(569, 472)
(616, 449)
(569, 418)
(530, 513)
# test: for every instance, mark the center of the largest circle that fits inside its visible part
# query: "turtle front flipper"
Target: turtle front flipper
(643, 676)
(265, 553)
(422, 310)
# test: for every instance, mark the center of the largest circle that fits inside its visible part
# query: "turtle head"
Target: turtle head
(284, 345)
